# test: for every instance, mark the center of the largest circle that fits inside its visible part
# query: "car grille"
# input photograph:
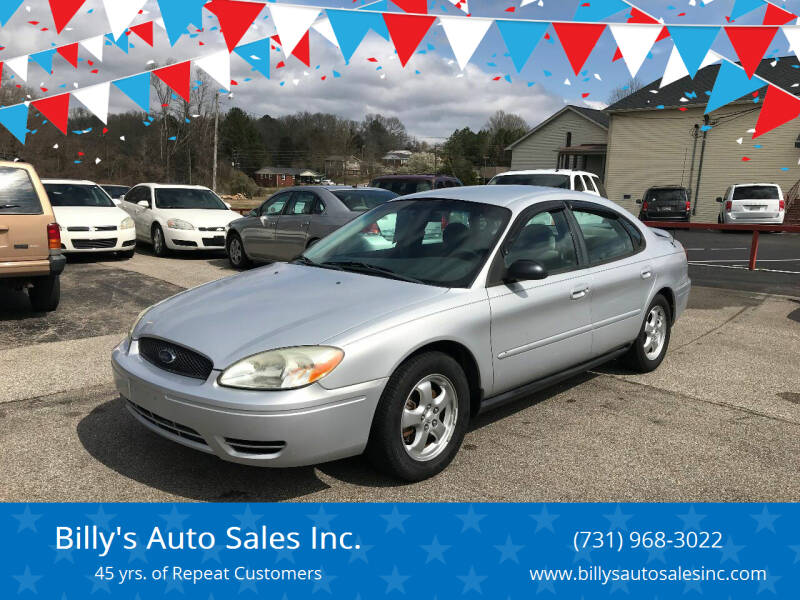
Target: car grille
(211, 228)
(88, 244)
(214, 241)
(129, 243)
(255, 447)
(102, 228)
(169, 426)
(175, 359)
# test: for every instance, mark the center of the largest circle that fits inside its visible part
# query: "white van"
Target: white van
(579, 181)
(752, 203)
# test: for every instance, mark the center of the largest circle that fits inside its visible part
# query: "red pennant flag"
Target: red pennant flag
(617, 55)
(407, 32)
(302, 51)
(751, 44)
(637, 16)
(178, 77)
(69, 53)
(775, 15)
(779, 107)
(145, 32)
(663, 35)
(63, 11)
(413, 6)
(578, 41)
(235, 18)
(55, 109)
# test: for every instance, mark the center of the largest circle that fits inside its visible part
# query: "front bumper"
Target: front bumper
(289, 428)
(119, 240)
(194, 239)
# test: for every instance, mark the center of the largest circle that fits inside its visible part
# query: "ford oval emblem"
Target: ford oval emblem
(167, 356)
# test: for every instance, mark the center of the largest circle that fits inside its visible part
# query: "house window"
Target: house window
(283, 177)
(569, 139)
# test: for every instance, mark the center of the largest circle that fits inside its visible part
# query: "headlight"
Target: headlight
(284, 369)
(179, 224)
(127, 223)
(136, 322)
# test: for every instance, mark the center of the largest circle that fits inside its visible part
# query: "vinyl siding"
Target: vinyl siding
(654, 147)
(540, 151)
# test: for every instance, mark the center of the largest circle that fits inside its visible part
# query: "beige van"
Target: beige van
(30, 239)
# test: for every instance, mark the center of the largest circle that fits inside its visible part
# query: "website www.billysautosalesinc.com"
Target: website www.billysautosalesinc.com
(602, 576)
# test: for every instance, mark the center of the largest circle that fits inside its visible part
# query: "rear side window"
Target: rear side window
(579, 187)
(363, 200)
(756, 192)
(666, 195)
(601, 189)
(17, 194)
(606, 237)
(403, 187)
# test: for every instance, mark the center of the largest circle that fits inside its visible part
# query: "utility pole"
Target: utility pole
(216, 139)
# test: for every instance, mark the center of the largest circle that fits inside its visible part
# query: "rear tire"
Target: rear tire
(430, 393)
(45, 294)
(236, 253)
(650, 347)
(159, 242)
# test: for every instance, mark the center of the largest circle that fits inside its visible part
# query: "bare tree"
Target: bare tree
(503, 121)
(633, 85)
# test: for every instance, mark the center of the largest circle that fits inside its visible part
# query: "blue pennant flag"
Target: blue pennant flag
(732, 83)
(15, 119)
(179, 14)
(137, 88)
(7, 9)
(121, 42)
(693, 44)
(350, 28)
(44, 59)
(597, 10)
(521, 39)
(257, 55)
(742, 7)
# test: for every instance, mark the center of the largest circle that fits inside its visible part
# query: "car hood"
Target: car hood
(274, 307)
(89, 216)
(201, 217)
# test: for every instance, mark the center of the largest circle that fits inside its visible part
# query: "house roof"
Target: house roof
(340, 158)
(598, 117)
(784, 74)
(286, 171)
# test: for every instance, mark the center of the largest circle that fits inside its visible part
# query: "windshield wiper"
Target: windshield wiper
(373, 269)
(302, 260)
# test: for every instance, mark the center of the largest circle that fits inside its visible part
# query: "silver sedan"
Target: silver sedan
(476, 297)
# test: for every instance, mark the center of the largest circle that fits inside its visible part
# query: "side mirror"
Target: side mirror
(116, 201)
(525, 270)
(143, 203)
(639, 201)
(253, 213)
(719, 199)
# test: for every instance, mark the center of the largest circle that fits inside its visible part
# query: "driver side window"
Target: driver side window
(545, 238)
(274, 206)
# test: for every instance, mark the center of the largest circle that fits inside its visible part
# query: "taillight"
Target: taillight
(728, 206)
(53, 237)
(782, 205)
(688, 206)
(644, 206)
(373, 229)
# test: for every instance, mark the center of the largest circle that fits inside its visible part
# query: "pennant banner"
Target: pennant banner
(732, 84)
(178, 78)
(779, 107)
(292, 24)
(137, 88)
(676, 70)
(751, 44)
(635, 42)
(578, 41)
(257, 56)
(55, 109)
(218, 66)
(121, 14)
(178, 15)
(521, 39)
(693, 44)
(7, 10)
(464, 35)
(351, 27)
(15, 119)
(95, 99)
(407, 32)
(235, 18)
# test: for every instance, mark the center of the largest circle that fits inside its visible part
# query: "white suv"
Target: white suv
(752, 203)
(178, 217)
(578, 181)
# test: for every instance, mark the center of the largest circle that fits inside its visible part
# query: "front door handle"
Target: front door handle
(580, 293)
(647, 274)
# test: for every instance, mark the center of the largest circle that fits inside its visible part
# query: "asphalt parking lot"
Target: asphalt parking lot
(719, 421)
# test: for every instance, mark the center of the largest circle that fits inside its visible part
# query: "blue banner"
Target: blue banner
(416, 550)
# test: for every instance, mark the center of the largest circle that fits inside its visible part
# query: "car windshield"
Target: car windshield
(17, 194)
(543, 179)
(116, 191)
(436, 242)
(185, 198)
(363, 200)
(666, 195)
(75, 194)
(756, 192)
(404, 187)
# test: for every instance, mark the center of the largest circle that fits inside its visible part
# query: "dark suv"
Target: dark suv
(665, 203)
(403, 185)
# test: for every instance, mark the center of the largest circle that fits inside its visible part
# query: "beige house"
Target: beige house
(573, 138)
(650, 146)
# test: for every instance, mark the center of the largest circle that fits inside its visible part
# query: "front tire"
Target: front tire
(650, 347)
(421, 418)
(159, 242)
(236, 254)
(45, 294)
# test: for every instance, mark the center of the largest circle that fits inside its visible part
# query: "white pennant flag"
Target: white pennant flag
(464, 5)
(325, 29)
(676, 69)
(121, 13)
(292, 23)
(95, 98)
(94, 46)
(635, 41)
(792, 34)
(19, 65)
(218, 66)
(464, 36)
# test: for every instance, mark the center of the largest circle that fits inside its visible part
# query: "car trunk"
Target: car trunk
(666, 204)
(756, 202)
(23, 237)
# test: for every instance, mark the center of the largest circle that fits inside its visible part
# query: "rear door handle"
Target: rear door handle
(647, 274)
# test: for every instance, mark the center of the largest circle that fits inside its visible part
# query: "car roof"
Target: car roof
(510, 196)
(115, 184)
(666, 187)
(415, 177)
(749, 184)
(332, 188)
(71, 181)
(176, 186)
(547, 172)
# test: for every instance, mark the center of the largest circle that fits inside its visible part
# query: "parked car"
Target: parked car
(566, 179)
(178, 217)
(665, 203)
(30, 242)
(392, 351)
(403, 185)
(296, 218)
(752, 204)
(117, 192)
(88, 219)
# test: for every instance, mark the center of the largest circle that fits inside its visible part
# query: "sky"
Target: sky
(432, 96)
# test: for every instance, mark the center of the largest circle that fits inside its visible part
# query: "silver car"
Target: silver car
(391, 349)
(294, 219)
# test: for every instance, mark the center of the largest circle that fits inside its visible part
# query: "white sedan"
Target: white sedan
(88, 218)
(178, 217)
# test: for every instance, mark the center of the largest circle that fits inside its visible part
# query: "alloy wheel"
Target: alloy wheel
(235, 251)
(429, 418)
(655, 330)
